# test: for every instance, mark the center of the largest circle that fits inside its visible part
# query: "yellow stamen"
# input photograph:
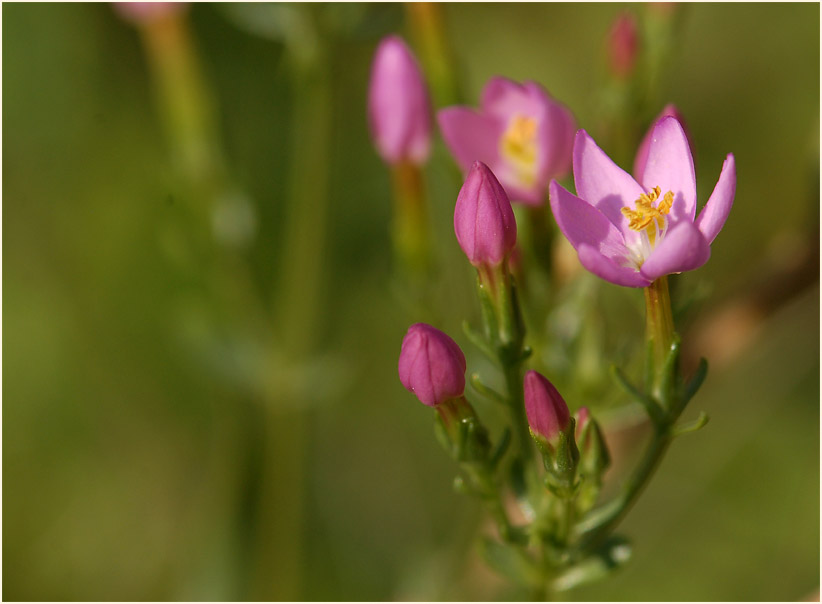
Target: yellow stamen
(519, 146)
(646, 215)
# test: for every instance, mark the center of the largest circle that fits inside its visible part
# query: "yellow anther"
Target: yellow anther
(519, 145)
(646, 214)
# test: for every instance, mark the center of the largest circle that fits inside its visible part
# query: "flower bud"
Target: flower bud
(593, 452)
(431, 365)
(143, 12)
(547, 412)
(483, 219)
(623, 45)
(399, 107)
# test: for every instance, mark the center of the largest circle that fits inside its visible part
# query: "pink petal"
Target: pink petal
(713, 215)
(602, 183)
(504, 98)
(556, 138)
(684, 248)
(582, 223)
(470, 136)
(642, 152)
(607, 269)
(670, 166)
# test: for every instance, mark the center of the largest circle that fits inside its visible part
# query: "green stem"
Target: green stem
(279, 567)
(659, 327)
(542, 237)
(516, 405)
(602, 521)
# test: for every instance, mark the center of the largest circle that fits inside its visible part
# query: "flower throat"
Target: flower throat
(648, 219)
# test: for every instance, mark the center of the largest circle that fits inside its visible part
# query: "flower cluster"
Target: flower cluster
(630, 230)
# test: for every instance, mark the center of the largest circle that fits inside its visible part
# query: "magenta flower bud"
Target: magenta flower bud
(623, 45)
(399, 106)
(143, 12)
(583, 416)
(547, 412)
(483, 219)
(431, 365)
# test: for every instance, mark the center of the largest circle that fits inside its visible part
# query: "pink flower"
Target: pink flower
(399, 107)
(547, 412)
(483, 219)
(521, 133)
(431, 365)
(632, 233)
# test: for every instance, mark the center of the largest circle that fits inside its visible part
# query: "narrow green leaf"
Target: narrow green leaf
(486, 391)
(651, 406)
(691, 426)
(510, 562)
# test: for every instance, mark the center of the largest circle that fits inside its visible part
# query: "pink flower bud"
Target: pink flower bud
(583, 416)
(623, 45)
(483, 219)
(431, 365)
(547, 412)
(142, 12)
(399, 107)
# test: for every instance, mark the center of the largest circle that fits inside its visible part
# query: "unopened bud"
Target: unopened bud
(399, 106)
(431, 365)
(483, 219)
(623, 46)
(547, 412)
(593, 452)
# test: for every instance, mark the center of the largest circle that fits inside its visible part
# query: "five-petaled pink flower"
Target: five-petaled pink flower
(520, 132)
(631, 233)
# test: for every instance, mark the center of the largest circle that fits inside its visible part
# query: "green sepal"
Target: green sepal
(489, 315)
(691, 426)
(511, 562)
(652, 407)
(502, 447)
(670, 374)
(612, 555)
(467, 442)
(560, 459)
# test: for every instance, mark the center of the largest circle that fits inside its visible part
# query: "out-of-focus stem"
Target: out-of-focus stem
(542, 238)
(428, 27)
(410, 221)
(278, 574)
(186, 106)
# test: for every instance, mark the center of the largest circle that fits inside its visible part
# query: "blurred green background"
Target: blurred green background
(202, 320)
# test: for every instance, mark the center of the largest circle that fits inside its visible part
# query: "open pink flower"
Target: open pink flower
(520, 132)
(631, 233)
